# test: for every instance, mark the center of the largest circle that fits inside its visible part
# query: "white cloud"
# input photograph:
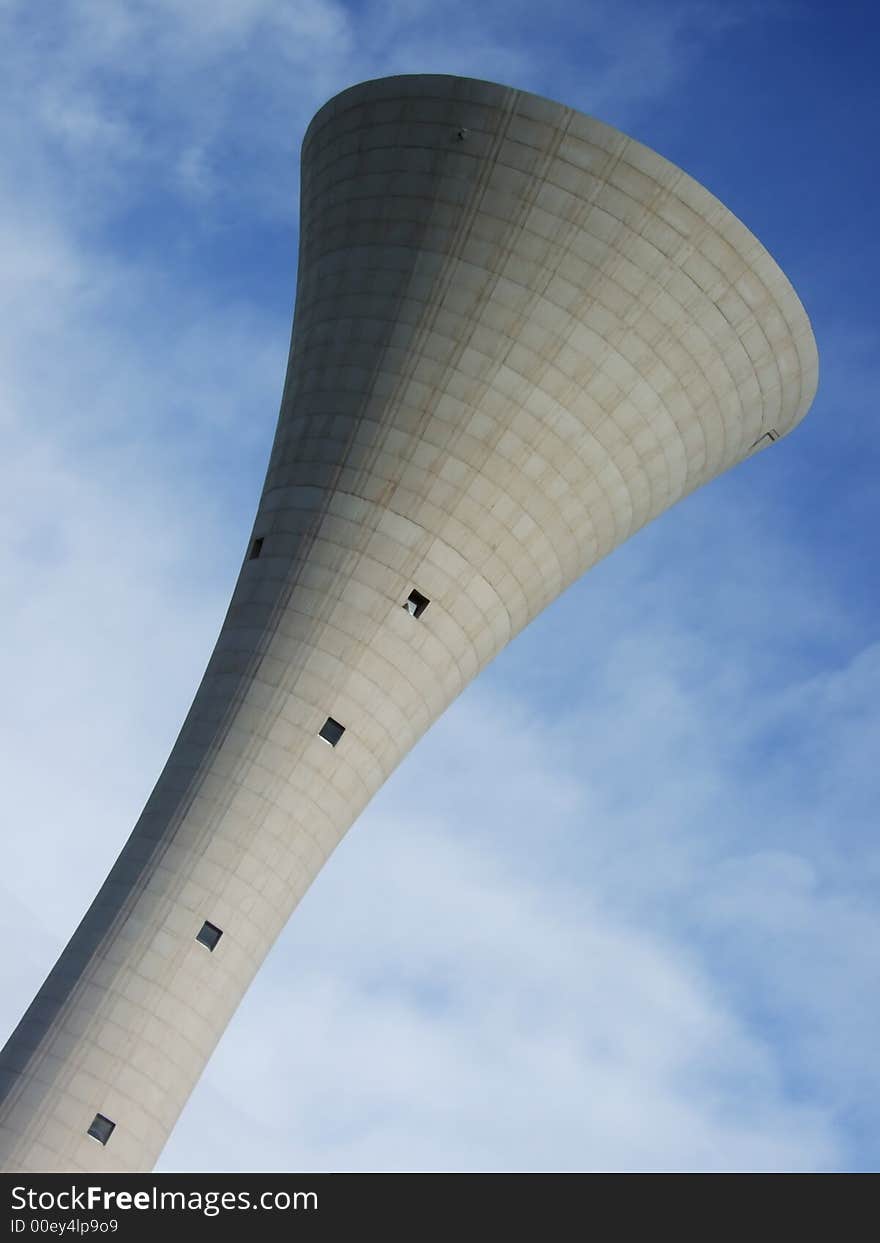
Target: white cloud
(210, 98)
(614, 910)
(444, 1000)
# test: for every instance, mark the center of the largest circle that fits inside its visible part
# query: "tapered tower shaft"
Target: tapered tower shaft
(519, 336)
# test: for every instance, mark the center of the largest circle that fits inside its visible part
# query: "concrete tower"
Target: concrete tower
(519, 336)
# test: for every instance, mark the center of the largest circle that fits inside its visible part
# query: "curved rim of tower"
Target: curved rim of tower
(669, 175)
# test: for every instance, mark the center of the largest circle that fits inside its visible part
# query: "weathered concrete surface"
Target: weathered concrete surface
(519, 336)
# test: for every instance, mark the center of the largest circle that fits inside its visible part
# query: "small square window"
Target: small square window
(416, 603)
(331, 731)
(256, 548)
(101, 1129)
(209, 935)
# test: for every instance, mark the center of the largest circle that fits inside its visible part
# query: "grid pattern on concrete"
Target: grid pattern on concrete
(519, 336)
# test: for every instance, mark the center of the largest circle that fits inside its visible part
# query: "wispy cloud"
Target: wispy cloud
(477, 998)
(197, 99)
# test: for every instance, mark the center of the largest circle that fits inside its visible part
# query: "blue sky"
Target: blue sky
(619, 909)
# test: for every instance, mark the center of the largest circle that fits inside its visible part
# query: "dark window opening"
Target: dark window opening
(256, 548)
(101, 1129)
(416, 603)
(766, 439)
(209, 935)
(331, 731)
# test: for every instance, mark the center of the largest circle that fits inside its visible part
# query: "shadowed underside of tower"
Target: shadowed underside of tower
(519, 336)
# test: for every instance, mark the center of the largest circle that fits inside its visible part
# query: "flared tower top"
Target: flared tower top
(663, 230)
